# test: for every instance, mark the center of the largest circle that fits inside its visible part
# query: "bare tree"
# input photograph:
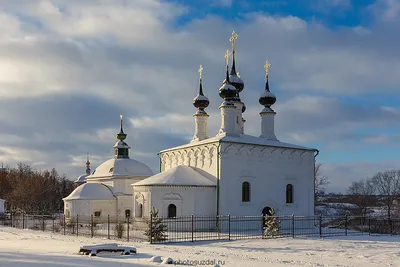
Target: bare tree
(361, 193)
(388, 186)
(319, 182)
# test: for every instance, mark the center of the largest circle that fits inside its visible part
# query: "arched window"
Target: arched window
(171, 211)
(245, 192)
(139, 212)
(127, 213)
(289, 193)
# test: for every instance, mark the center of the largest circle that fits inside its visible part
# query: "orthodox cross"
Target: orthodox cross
(266, 67)
(227, 54)
(201, 71)
(232, 39)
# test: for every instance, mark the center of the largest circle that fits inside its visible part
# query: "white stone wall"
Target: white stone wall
(268, 170)
(124, 203)
(85, 208)
(188, 200)
(268, 125)
(203, 157)
(200, 127)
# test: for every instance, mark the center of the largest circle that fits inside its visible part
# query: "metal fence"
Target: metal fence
(198, 228)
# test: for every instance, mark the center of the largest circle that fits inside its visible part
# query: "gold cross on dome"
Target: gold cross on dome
(227, 54)
(266, 67)
(120, 117)
(232, 39)
(201, 71)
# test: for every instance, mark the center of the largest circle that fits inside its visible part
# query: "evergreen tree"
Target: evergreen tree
(271, 224)
(156, 230)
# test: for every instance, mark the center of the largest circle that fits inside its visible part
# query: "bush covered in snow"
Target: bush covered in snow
(271, 224)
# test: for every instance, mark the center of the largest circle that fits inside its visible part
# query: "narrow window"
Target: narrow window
(289, 193)
(139, 212)
(97, 213)
(245, 192)
(127, 213)
(171, 211)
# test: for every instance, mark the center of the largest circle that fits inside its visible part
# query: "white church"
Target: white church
(228, 173)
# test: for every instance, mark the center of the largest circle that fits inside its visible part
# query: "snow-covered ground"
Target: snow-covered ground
(28, 248)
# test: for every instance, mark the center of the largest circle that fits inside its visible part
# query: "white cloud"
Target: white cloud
(341, 175)
(386, 10)
(129, 55)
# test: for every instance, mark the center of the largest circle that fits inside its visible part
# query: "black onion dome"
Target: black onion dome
(234, 79)
(267, 98)
(201, 101)
(227, 91)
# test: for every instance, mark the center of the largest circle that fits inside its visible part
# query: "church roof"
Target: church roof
(81, 178)
(179, 176)
(121, 167)
(91, 191)
(243, 139)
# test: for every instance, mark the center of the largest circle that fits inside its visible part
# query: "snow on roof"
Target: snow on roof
(179, 176)
(243, 139)
(121, 167)
(91, 191)
(81, 178)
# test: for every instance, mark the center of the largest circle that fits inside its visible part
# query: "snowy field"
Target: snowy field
(28, 248)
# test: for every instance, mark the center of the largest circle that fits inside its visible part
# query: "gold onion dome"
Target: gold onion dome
(201, 101)
(267, 99)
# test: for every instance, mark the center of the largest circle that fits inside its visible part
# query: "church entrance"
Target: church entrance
(267, 211)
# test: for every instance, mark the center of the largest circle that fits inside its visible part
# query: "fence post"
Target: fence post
(12, 219)
(262, 225)
(64, 223)
(369, 226)
(292, 225)
(43, 223)
(345, 224)
(53, 221)
(91, 225)
(127, 228)
(151, 228)
(108, 226)
(320, 226)
(229, 227)
(77, 225)
(192, 227)
(23, 220)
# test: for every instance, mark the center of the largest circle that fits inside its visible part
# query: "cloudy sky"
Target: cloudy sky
(69, 68)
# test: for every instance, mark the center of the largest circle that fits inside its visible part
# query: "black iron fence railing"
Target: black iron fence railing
(197, 228)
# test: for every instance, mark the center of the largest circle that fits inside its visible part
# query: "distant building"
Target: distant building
(230, 173)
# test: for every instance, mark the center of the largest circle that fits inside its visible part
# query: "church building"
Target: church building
(228, 173)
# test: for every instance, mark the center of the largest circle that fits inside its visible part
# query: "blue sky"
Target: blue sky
(334, 13)
(68, 68)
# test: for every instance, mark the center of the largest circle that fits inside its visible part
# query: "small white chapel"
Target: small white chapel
(230, 172)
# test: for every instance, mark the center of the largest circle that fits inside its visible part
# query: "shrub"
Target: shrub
(156, 228)
(119, 229)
